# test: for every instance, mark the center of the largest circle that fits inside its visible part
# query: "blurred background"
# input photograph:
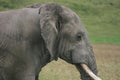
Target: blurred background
(102, 20)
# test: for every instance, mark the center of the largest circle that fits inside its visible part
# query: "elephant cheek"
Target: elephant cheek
(79, 57)
(67, 56)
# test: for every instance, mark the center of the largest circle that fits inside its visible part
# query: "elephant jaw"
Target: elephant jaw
(89, 72)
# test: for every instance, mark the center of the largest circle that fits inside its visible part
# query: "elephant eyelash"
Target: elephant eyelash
(79, 37)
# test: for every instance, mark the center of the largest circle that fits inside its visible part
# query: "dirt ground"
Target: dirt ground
(108, 52)
(108, 60)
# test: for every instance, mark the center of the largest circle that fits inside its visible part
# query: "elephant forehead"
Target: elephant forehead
(73, 27)
(72, 19)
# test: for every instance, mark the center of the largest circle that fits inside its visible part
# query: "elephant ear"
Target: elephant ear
(48, 19)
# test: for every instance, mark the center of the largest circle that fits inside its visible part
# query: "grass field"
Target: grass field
(108, 61)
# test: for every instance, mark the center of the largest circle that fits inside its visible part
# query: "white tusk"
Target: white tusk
(89, 72)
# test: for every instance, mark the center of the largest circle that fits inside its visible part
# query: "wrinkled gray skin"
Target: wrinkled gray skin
(32, 37)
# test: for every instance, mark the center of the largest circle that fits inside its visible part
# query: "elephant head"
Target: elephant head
(66, 37)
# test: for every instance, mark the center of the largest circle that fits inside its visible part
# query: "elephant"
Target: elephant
(35, 35)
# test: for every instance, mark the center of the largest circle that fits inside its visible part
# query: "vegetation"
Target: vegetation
(101, 17)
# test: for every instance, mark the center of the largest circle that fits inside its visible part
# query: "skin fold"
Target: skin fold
(34, 36)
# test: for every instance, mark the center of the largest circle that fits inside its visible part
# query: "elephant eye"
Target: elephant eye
(79, 37)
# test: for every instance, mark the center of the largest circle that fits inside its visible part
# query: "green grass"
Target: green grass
(100, 17)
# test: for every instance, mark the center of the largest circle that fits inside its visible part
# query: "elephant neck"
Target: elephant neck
(40, 53)
(45, 59)
(41, 60)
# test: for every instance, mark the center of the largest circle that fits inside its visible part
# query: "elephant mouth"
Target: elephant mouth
(86, 73)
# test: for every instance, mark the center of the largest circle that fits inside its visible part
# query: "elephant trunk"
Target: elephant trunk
(88, 69)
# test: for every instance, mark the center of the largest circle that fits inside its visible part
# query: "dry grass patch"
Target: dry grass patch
(108, 60)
